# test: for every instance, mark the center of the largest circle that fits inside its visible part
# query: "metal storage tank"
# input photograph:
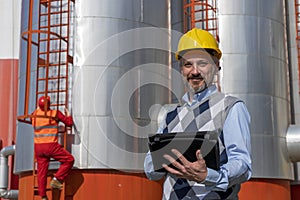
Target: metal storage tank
(121, 75)
(255, 68)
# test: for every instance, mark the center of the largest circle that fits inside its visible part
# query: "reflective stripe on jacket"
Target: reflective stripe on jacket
(45, 126)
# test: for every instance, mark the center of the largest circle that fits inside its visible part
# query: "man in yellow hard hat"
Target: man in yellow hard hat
(204, 108)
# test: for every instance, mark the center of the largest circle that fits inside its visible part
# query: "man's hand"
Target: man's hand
(193, 171)
(67, 113)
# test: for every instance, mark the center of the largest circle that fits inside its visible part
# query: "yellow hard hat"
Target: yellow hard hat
(198, 39)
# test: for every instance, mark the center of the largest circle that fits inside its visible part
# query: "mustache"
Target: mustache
(197, 76)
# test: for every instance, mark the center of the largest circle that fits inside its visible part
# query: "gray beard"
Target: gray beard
(191, 91)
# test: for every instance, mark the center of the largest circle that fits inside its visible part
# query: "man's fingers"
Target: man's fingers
(67, 112)
(169, 158)
(171, 170)
(179, 155)
(173, 161)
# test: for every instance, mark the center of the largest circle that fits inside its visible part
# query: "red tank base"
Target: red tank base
(265, 189)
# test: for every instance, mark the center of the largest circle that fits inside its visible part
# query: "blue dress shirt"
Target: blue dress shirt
(236, 138)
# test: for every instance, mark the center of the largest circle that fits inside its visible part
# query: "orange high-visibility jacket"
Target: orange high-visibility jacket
(45, 126)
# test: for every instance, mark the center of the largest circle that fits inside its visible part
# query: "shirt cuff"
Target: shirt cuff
(212, 177)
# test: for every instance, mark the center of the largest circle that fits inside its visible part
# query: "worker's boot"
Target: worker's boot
(56, 184)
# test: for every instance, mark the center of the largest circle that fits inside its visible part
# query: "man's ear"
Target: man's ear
(218, 65)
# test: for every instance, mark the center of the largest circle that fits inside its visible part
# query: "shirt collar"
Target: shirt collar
(199, 96)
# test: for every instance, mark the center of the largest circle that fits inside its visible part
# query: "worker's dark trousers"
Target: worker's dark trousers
(43, 153)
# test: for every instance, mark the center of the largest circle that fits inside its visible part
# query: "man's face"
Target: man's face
(198, 70)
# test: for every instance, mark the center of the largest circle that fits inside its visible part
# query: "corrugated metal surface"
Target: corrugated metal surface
(121, 71)
(252, 35)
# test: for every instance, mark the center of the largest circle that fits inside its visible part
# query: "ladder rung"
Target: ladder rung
(53, 39)
(52, 78)
(52, 65)
(35, 192)
(53, 26)
(46, 2)
(58, 36)
(50, 0)
(53, 51)
(54, 13)
(54, 92)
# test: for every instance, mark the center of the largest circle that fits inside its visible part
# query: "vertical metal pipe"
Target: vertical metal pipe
(3, 172)
(4, 193)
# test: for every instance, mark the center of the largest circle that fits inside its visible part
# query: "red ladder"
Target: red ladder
(49, 54)
(201, 14)
(54, 64)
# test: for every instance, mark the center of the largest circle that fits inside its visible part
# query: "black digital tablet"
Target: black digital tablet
(187, 143)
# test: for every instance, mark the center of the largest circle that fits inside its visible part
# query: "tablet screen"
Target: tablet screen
(187, 143)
